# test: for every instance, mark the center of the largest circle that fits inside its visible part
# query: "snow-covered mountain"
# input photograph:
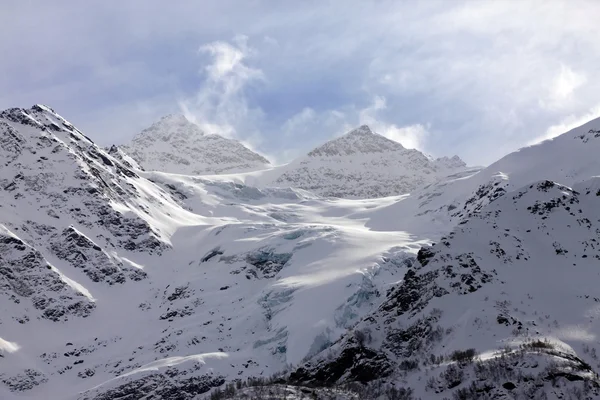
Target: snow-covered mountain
(179, 146)
(567, 159)
(117, 282)
(72, 220)
(514, 285)
(364, 164)
(504, 305)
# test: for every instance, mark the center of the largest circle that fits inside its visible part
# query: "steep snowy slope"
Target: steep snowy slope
(72, 221)
(515, 284)
(176, 145)
(363, 164)
(113, 285)
(569, 158)
(286, 276)
(122, 283)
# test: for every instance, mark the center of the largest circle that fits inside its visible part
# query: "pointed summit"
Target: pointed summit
(172, 127)
(361, 130)
(176, 145)
(450, 163)
(176, 120)
(363, 164)
(360, 140)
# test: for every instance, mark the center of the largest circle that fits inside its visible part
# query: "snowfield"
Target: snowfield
(118, 282)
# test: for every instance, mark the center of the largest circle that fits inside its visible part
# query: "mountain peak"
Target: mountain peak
(175, 144)
(364, 164)
(42, 107)
(171, 127)
(361, 130)
(450, 162)
(179, 119)
(360, 140)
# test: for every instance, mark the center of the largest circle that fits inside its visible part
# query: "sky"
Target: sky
(475, 78)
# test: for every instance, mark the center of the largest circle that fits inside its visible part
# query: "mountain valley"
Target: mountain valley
(182, 265)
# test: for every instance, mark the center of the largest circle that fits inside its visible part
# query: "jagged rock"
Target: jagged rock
(26, 276)
(168, 386)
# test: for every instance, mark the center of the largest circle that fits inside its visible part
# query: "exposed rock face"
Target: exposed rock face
(495, 276)
(56, 170)
(71, 217)
(27, 279)
(176, 145)
(363, 164)
(151, 287)
(117, 282)
(170, 385)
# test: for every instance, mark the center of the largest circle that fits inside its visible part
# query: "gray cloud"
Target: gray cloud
(474, 78)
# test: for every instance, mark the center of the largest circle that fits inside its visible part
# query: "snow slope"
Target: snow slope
(176, 145)
(123, 283)
(514, 280)
(523, 269)
(151, 283)
(363, 164)
(72, 221)
(568, 159)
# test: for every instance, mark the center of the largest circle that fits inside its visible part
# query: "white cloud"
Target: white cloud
(487, 78)
(566, 124)
(9, 347)
(562, 88)
(227, 58)
(299, 122)
(220, 105)
(309, 128)
(566, 82)
(412, 136)
(227, 66)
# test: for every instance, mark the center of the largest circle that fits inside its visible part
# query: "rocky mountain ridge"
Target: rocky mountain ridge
(364, 164)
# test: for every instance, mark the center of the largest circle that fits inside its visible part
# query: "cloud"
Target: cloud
(327, 123)
(308, 129)
(227, 67)
(220, 104)
(477, 79)
(566, 124)
(270, 41)
(412, 136)
(565, 84)
(299, 123)
(311, 128)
